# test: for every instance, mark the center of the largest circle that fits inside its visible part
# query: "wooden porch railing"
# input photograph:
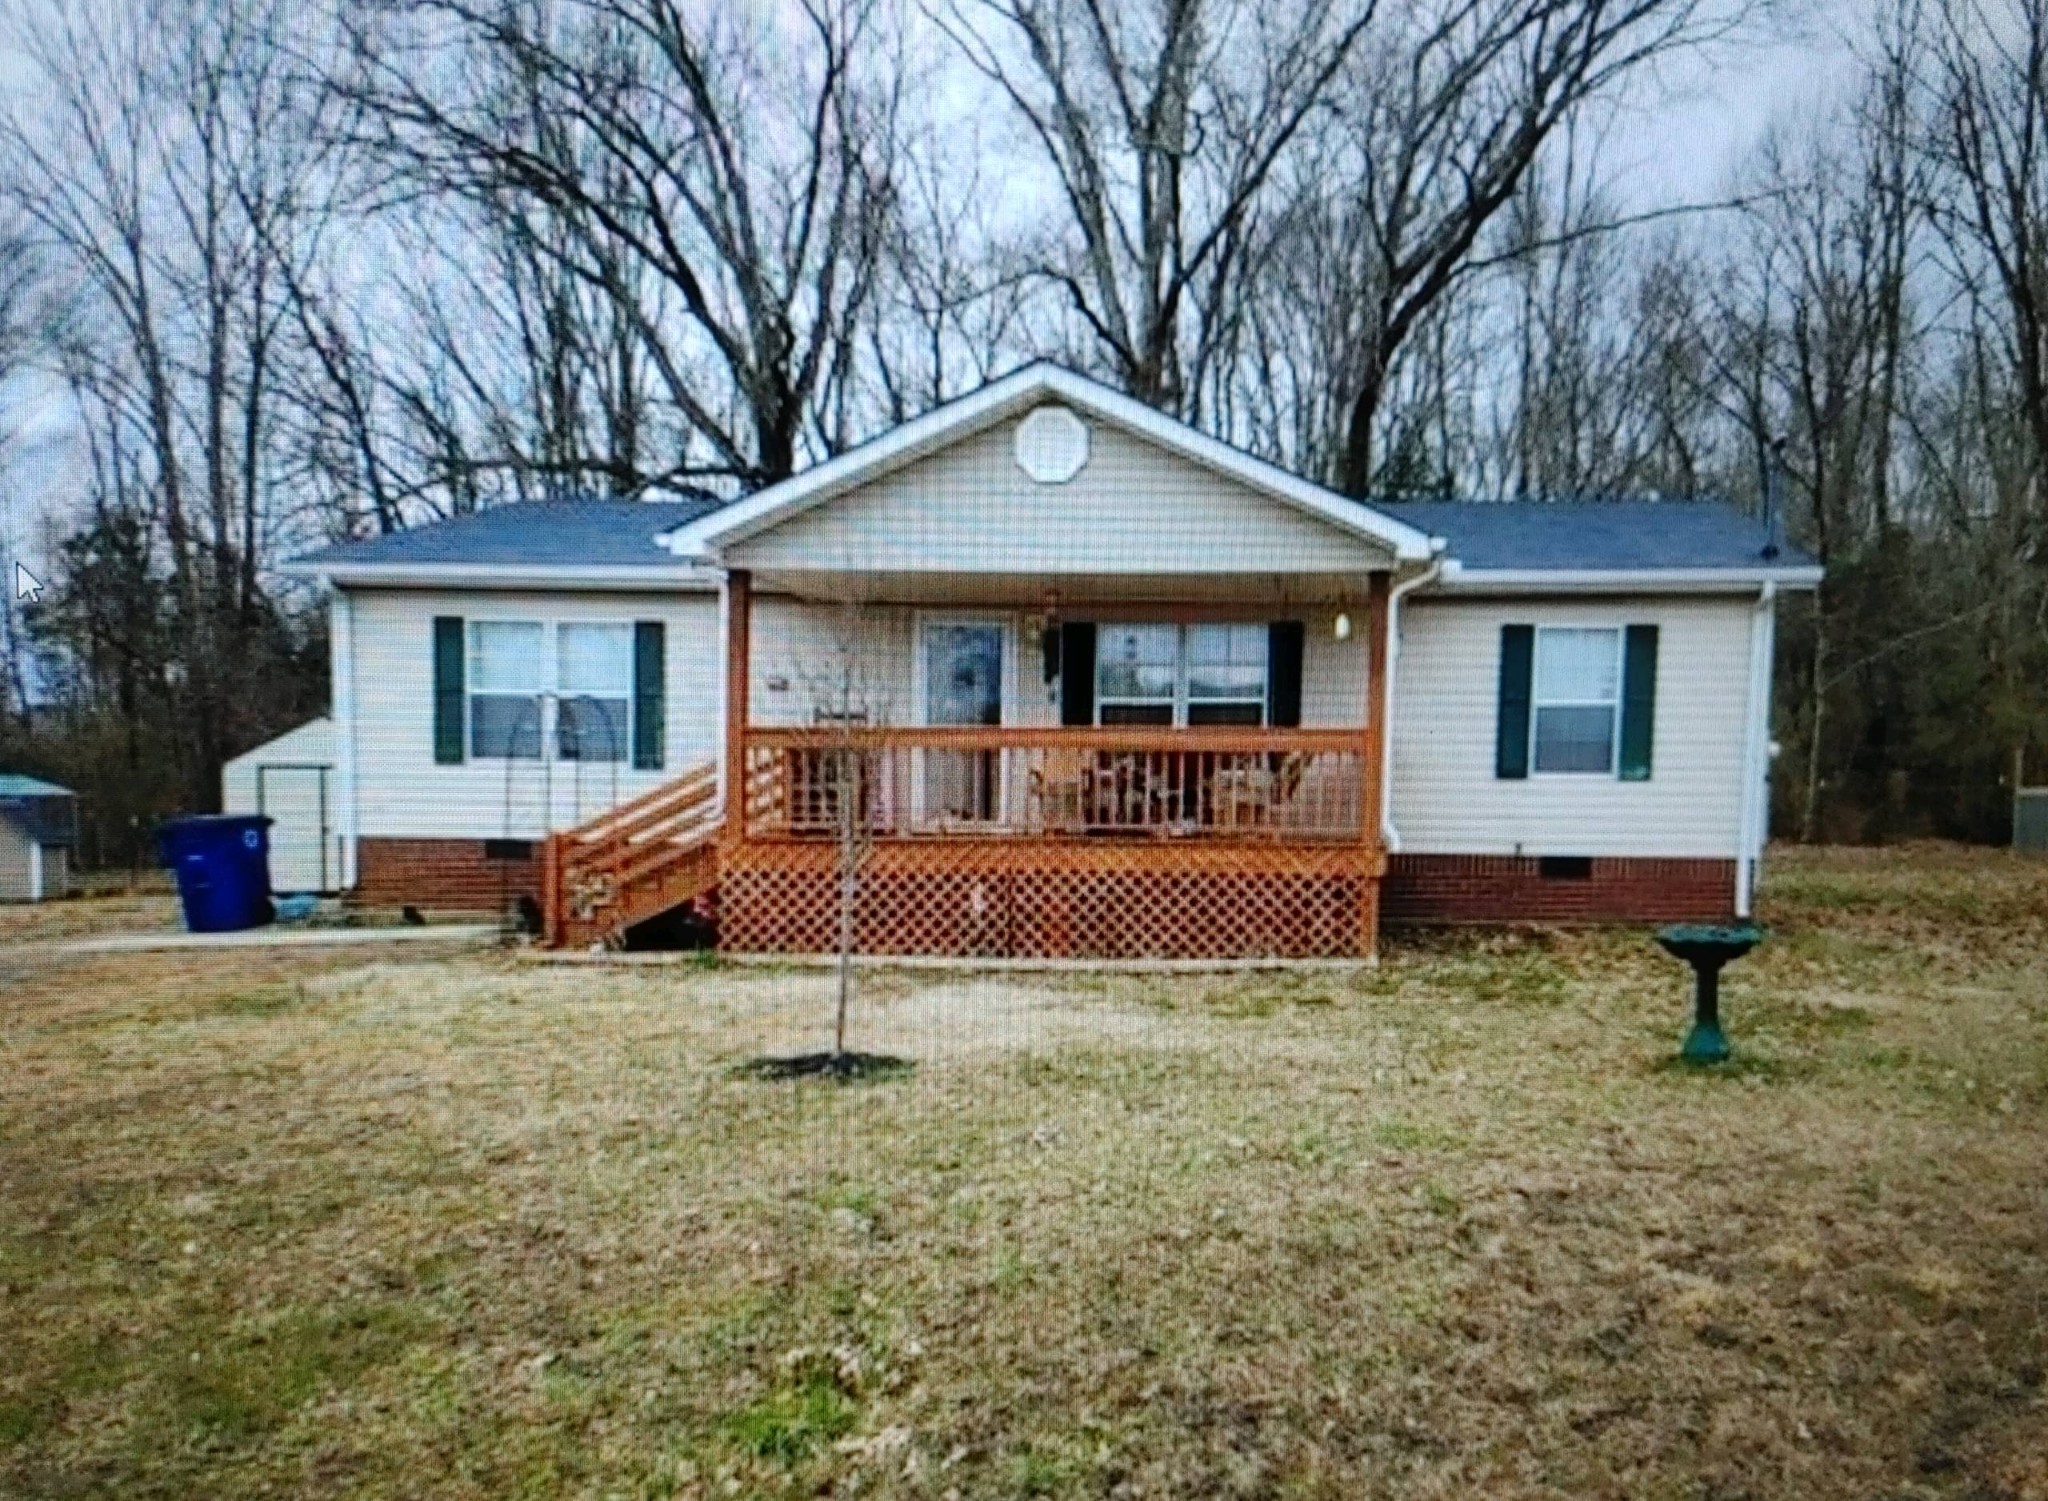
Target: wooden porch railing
(968, 783)
(633, 861)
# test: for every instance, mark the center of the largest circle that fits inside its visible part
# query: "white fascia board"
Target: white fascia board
(632, 577)
(1462, 580)
(703, 538)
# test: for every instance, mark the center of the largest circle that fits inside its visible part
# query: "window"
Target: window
(529, 680)
(1226, 674)
(1193, 675)
(1577, 700)
(506, 664)
(594, 691)
(1137, 674)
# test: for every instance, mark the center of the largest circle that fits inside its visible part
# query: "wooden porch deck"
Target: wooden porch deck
(1069, 842)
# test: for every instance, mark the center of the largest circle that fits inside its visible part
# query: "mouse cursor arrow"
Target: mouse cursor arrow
(26, 585)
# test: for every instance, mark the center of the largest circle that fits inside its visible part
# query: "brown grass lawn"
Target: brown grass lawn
(387, 1225)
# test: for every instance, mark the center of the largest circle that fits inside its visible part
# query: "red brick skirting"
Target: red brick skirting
(447, 874)
(1508, 889)
(1193, 914)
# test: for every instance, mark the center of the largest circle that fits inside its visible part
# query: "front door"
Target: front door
(963, 685)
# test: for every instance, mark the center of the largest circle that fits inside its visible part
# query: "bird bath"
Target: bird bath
(1707, 947)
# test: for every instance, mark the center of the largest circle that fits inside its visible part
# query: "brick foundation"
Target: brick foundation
(445, 874)
(458, 875)
(1509, 889)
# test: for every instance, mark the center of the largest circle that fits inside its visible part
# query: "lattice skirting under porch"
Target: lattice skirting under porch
(1076, 899)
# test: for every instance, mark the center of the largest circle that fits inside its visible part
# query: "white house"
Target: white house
(1068, 678)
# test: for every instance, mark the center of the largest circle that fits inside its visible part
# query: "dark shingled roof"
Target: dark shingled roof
(593, 533)
(1546, 535)
(1559, 536)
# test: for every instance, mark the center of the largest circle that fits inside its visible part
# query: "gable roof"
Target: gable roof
(557, 538)
(592, 543)
(1592, 541)
(1011, 396)
(14, 784)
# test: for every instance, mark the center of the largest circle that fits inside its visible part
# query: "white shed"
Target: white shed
(291, 780)
(38, 830)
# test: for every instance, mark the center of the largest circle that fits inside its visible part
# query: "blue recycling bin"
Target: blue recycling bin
(222, 862)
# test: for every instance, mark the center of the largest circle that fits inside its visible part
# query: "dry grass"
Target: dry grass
(329, 1225)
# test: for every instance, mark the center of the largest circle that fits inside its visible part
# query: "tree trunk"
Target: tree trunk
(1809, 813)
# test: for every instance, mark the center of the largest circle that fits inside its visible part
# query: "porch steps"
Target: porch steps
(633, 862)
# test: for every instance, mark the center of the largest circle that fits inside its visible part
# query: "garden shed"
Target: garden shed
(290, 781)
(38, 832)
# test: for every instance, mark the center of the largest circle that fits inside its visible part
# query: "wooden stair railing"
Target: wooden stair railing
(632, 862)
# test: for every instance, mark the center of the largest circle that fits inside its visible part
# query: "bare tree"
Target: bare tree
(1162, 124)
(1440, 123)
(152, 161)
(720, 180)
(18, 285)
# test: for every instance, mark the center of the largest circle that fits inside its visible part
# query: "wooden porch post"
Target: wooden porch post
(1373, 761)
(739, 622)
(1375, 699)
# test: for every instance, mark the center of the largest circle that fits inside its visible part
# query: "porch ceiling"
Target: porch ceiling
(1072, 591)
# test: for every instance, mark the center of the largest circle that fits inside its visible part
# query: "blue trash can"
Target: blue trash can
(222, 863)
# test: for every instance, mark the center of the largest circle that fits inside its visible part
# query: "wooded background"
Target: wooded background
(281, 272)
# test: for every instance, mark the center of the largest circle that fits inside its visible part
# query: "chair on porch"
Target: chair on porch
(1058, 789)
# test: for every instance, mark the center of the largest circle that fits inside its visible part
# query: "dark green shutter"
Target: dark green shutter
(1638, 702)
(1511, 726)
(1284, 641)
(650, 656)
(448, 689)
(1077, 672)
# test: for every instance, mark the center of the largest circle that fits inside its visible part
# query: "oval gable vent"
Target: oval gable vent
(1052, 445)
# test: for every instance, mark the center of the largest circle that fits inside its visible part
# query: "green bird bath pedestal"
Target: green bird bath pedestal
(1707, 947)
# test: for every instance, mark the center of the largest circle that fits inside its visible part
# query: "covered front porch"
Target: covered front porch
(1054, 767)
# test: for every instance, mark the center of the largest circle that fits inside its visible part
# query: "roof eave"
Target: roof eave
(1460, 579)
(623, 576)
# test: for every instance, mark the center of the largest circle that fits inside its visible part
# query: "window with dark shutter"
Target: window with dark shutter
(1511, 727)
(1638, 702)
(449, 695)
(1077, 672)
(1285, 640)
(650, 656)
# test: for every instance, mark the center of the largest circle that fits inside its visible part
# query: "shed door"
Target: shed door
(302, 853)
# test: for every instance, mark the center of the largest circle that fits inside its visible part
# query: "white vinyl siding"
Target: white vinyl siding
(1446, 798)
(812, 660)
(402, 793)
(17, 864)
(1133, 509)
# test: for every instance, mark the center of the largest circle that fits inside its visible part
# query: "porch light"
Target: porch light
(1341, 628)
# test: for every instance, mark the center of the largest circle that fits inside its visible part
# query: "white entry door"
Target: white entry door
(962, 684)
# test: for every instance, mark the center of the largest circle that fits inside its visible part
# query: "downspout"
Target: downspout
(1755, 815)
(1390, 835)
(724, 800)
(341, 704)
